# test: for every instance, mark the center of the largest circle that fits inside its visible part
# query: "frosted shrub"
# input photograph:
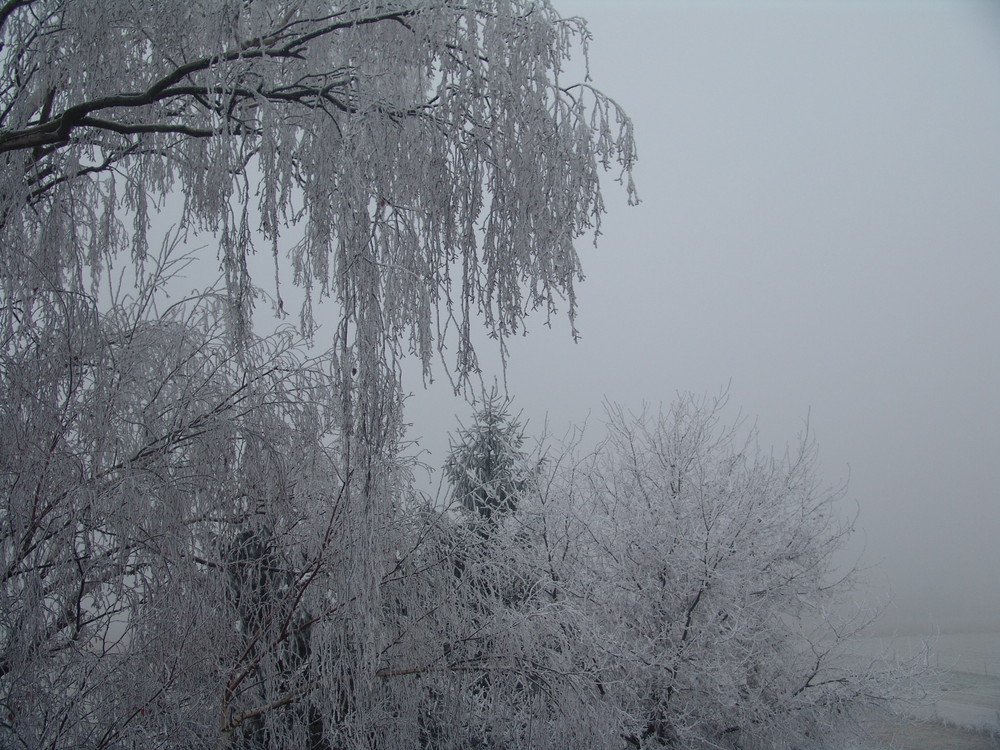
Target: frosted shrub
(709, 569)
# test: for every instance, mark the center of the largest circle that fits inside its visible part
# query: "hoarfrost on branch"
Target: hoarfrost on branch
(200, 522)
(432, 157)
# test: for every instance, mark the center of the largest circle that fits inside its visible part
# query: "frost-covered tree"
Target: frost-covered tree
(174, 547)
(493, 659)
(430, 155)
(709, 568)
(487, 467)
(179, 564)
(468, 665)
(419, 163)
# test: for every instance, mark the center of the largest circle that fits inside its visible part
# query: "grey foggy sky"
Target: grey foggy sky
(819, 229)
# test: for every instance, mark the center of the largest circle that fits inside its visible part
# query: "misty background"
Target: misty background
(818, 234)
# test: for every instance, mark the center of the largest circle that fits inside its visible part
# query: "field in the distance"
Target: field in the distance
(965, 712)
(931, 736)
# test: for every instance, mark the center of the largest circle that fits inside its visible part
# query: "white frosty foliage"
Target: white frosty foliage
(487, 468)
(708, 568)
(431, 166)
(179, 566)
(406, 138)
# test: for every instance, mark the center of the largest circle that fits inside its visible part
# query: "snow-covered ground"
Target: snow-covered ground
(930, 736)
(965, 711)
(968, 666)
